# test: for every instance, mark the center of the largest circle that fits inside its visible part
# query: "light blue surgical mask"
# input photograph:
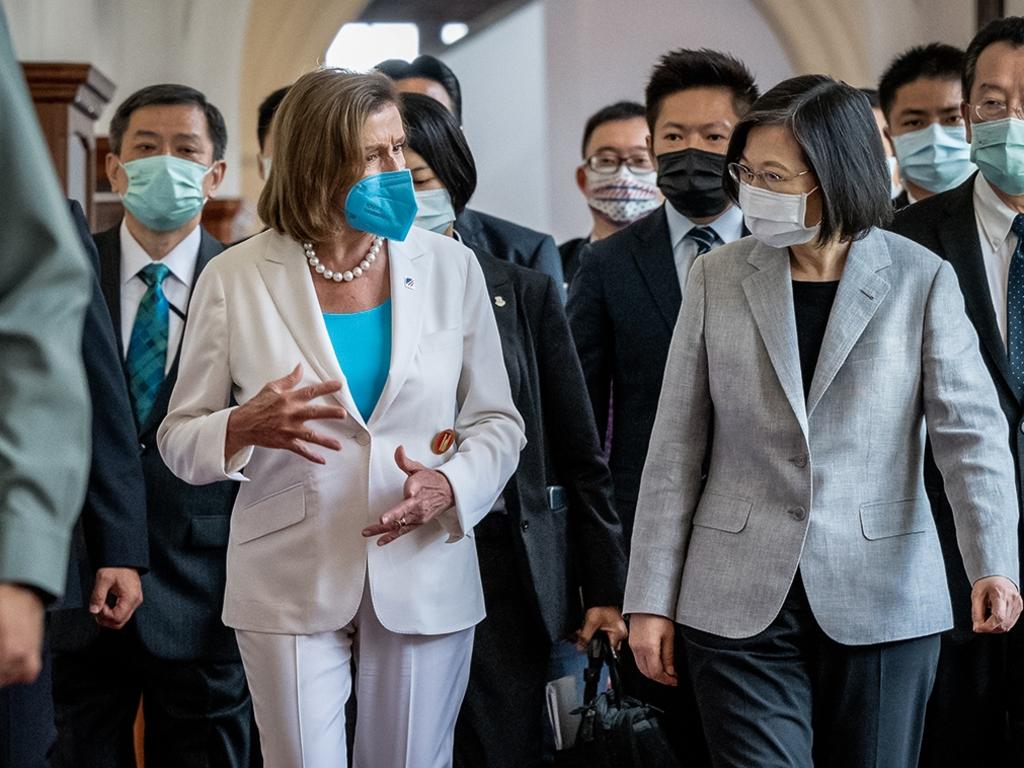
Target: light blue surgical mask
(164, 191)
(997, 147)
(936, 157)
(435, 210)
(383, 204)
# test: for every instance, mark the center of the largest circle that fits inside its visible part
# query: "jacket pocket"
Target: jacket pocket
(270, 514)
(885, 519)
(209, 530)
(723, 513)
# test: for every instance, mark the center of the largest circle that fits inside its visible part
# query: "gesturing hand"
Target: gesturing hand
(124, 585)
(995, 605)
(427, 494)
(277, 416)
(21, 635)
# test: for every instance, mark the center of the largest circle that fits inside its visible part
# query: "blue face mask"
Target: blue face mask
(383, 204)
(435, 210)
(936, 157)
(164, 191)
(998, 149)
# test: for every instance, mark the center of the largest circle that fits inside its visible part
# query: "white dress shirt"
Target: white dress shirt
(728, 227)
(177, 285)
(997, 243)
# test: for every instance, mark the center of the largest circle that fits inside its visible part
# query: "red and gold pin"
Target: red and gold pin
(443, 441)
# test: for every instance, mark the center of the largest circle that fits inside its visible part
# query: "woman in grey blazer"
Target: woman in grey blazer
(808, 365)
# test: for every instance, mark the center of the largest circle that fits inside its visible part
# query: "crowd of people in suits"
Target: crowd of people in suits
(358, 487)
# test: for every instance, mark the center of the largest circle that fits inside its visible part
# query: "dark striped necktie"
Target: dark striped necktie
(704, 237)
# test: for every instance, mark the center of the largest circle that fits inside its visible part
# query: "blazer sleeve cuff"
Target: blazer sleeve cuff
(34, 551)
(457, 520)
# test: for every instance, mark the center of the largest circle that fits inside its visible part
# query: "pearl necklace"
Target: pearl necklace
(348, 275)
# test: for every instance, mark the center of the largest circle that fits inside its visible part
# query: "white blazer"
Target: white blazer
(296, 558)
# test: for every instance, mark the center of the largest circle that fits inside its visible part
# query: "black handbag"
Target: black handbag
(616, 731)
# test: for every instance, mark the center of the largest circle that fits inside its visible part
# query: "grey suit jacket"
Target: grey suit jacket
(832, 485)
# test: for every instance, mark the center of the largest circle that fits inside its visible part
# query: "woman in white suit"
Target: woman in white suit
(375, 428)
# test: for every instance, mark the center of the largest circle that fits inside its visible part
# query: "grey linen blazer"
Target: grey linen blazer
(834, 484)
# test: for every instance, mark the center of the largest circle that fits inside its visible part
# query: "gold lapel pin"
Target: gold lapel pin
(499, 301)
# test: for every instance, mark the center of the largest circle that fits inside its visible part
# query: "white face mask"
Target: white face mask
(265, 163)
(776, 218)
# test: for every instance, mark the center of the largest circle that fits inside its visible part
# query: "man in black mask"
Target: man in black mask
(625, 297)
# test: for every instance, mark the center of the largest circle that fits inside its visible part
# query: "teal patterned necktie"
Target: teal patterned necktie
(1015, 303)
(147, 349)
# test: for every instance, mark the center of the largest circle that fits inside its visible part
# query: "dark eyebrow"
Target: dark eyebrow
(616, 149)
(705, 126)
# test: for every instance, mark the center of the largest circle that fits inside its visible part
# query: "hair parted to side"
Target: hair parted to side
(1006, 30)
(836, 130)
(935, 61)
(169, 94)
(682, 69)
(318, 150)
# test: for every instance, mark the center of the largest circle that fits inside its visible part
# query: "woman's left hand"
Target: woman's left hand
(427, 494)
(604, 617)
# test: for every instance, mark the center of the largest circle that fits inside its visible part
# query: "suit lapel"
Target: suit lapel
(958, 233)
(410, 283)
(284, 273)
(656, 262)
(506, 315)
(769, 293)
(108, 245)
(861, 291)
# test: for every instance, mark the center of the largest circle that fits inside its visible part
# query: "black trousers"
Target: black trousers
(197, 713)
(27, 732)
(792, 697)
(501, 723)
(976, 710)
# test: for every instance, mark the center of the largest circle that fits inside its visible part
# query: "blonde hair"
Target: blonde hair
(318, 150)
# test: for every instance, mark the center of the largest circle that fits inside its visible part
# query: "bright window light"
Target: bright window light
(361, 46)
(453, 31)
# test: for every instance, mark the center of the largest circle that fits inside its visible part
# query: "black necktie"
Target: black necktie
(704, 237)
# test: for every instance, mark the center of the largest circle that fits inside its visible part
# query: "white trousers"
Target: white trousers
(409, 690)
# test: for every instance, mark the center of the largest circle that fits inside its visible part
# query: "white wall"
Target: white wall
(141, 42)
(531, 81)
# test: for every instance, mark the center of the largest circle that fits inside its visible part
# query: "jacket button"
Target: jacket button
(800, 461)
(797, 513)
(525, 525)
(142, 446)
(363, 439)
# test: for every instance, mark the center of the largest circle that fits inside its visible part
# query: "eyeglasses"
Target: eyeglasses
(772, 180)
(994, 109)
(606, 165)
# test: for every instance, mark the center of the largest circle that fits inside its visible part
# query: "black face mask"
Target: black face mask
(691, 179)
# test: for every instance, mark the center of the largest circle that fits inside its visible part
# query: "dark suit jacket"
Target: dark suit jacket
(946, 224)
(901, 201)
(112, 529)
(570, 251)
(622, 308)
(578, 546)
(511, 242)
(188, 525)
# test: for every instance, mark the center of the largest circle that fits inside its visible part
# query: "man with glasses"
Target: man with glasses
(626, 294)
(617, 176)
(976, 711)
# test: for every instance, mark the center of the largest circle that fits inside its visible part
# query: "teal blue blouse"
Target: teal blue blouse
(362, 343)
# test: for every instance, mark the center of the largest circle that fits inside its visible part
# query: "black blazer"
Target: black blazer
(511, 242)
(578, 546)
(946, 224)
(570, 251)
(623, 304)
(188, 525)
(901, 201)
(111, 532)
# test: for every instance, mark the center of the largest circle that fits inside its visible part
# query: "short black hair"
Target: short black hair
(266, 113)
(833, 124)
(432, 132)
(872, 95)
(430, 68)
(169, 93)
(620, 110)
(935, 61)
(683, 68)
(1009, 30)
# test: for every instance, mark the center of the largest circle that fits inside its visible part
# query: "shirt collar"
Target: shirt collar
(994, 216)
(728, 226)
(181, 261)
